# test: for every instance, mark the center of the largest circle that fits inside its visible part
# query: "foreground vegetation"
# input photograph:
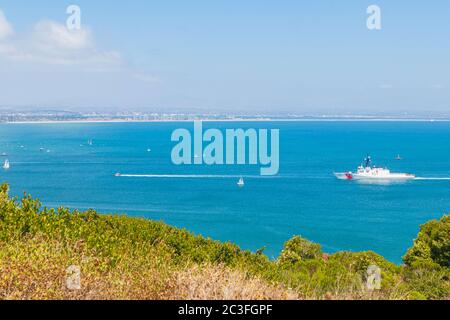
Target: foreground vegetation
(128, 258)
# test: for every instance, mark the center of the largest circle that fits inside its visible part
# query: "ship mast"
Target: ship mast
(367, 161)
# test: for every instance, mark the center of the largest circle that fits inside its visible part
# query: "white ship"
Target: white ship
(368, 172)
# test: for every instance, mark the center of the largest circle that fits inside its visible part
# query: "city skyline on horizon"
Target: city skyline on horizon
(285, 57)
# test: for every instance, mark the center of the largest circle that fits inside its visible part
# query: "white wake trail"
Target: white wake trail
(187, 176)
(223, 176)
(433, 179)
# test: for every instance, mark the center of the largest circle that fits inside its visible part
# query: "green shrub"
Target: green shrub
(429, 283)
(298, 249)
(414, 295)
(135, 249)
(432, 245)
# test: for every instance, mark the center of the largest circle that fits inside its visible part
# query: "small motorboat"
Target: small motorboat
(118, 174)
(368, 172)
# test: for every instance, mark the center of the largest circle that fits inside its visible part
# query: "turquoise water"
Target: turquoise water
(304, 199)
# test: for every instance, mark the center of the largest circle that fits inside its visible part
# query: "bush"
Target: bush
(298, 249)
(128, 258)
(432, 246)
(428, 283)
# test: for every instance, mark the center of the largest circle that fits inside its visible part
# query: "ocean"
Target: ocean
(54, 163)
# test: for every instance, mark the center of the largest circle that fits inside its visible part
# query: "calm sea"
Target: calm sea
(304, 199)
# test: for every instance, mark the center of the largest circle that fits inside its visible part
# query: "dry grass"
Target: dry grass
(36, 269)
(216, 282)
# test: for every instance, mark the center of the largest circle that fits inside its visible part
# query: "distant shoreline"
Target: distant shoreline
(229, 120)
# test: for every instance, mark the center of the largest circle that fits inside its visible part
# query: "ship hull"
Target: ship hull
(357, 176)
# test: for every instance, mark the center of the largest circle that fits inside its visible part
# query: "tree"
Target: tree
(432, 246)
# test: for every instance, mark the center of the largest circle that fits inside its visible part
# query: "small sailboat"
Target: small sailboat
(241, 182)
(6, 165)
(398, 157)
(90, 142)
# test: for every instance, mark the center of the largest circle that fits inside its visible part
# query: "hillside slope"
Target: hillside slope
(119, 257)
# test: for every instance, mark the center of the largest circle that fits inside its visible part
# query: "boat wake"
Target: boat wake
(224, 176)
(432, 179)
(190, 176)
(387, 182)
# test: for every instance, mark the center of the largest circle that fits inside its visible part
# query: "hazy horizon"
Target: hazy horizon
(255, 57)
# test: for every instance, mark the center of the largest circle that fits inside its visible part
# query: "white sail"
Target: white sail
(6, 165)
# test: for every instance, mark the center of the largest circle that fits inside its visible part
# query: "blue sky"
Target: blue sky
(308, 57)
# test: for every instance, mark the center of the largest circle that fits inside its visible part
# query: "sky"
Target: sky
(302, 57)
